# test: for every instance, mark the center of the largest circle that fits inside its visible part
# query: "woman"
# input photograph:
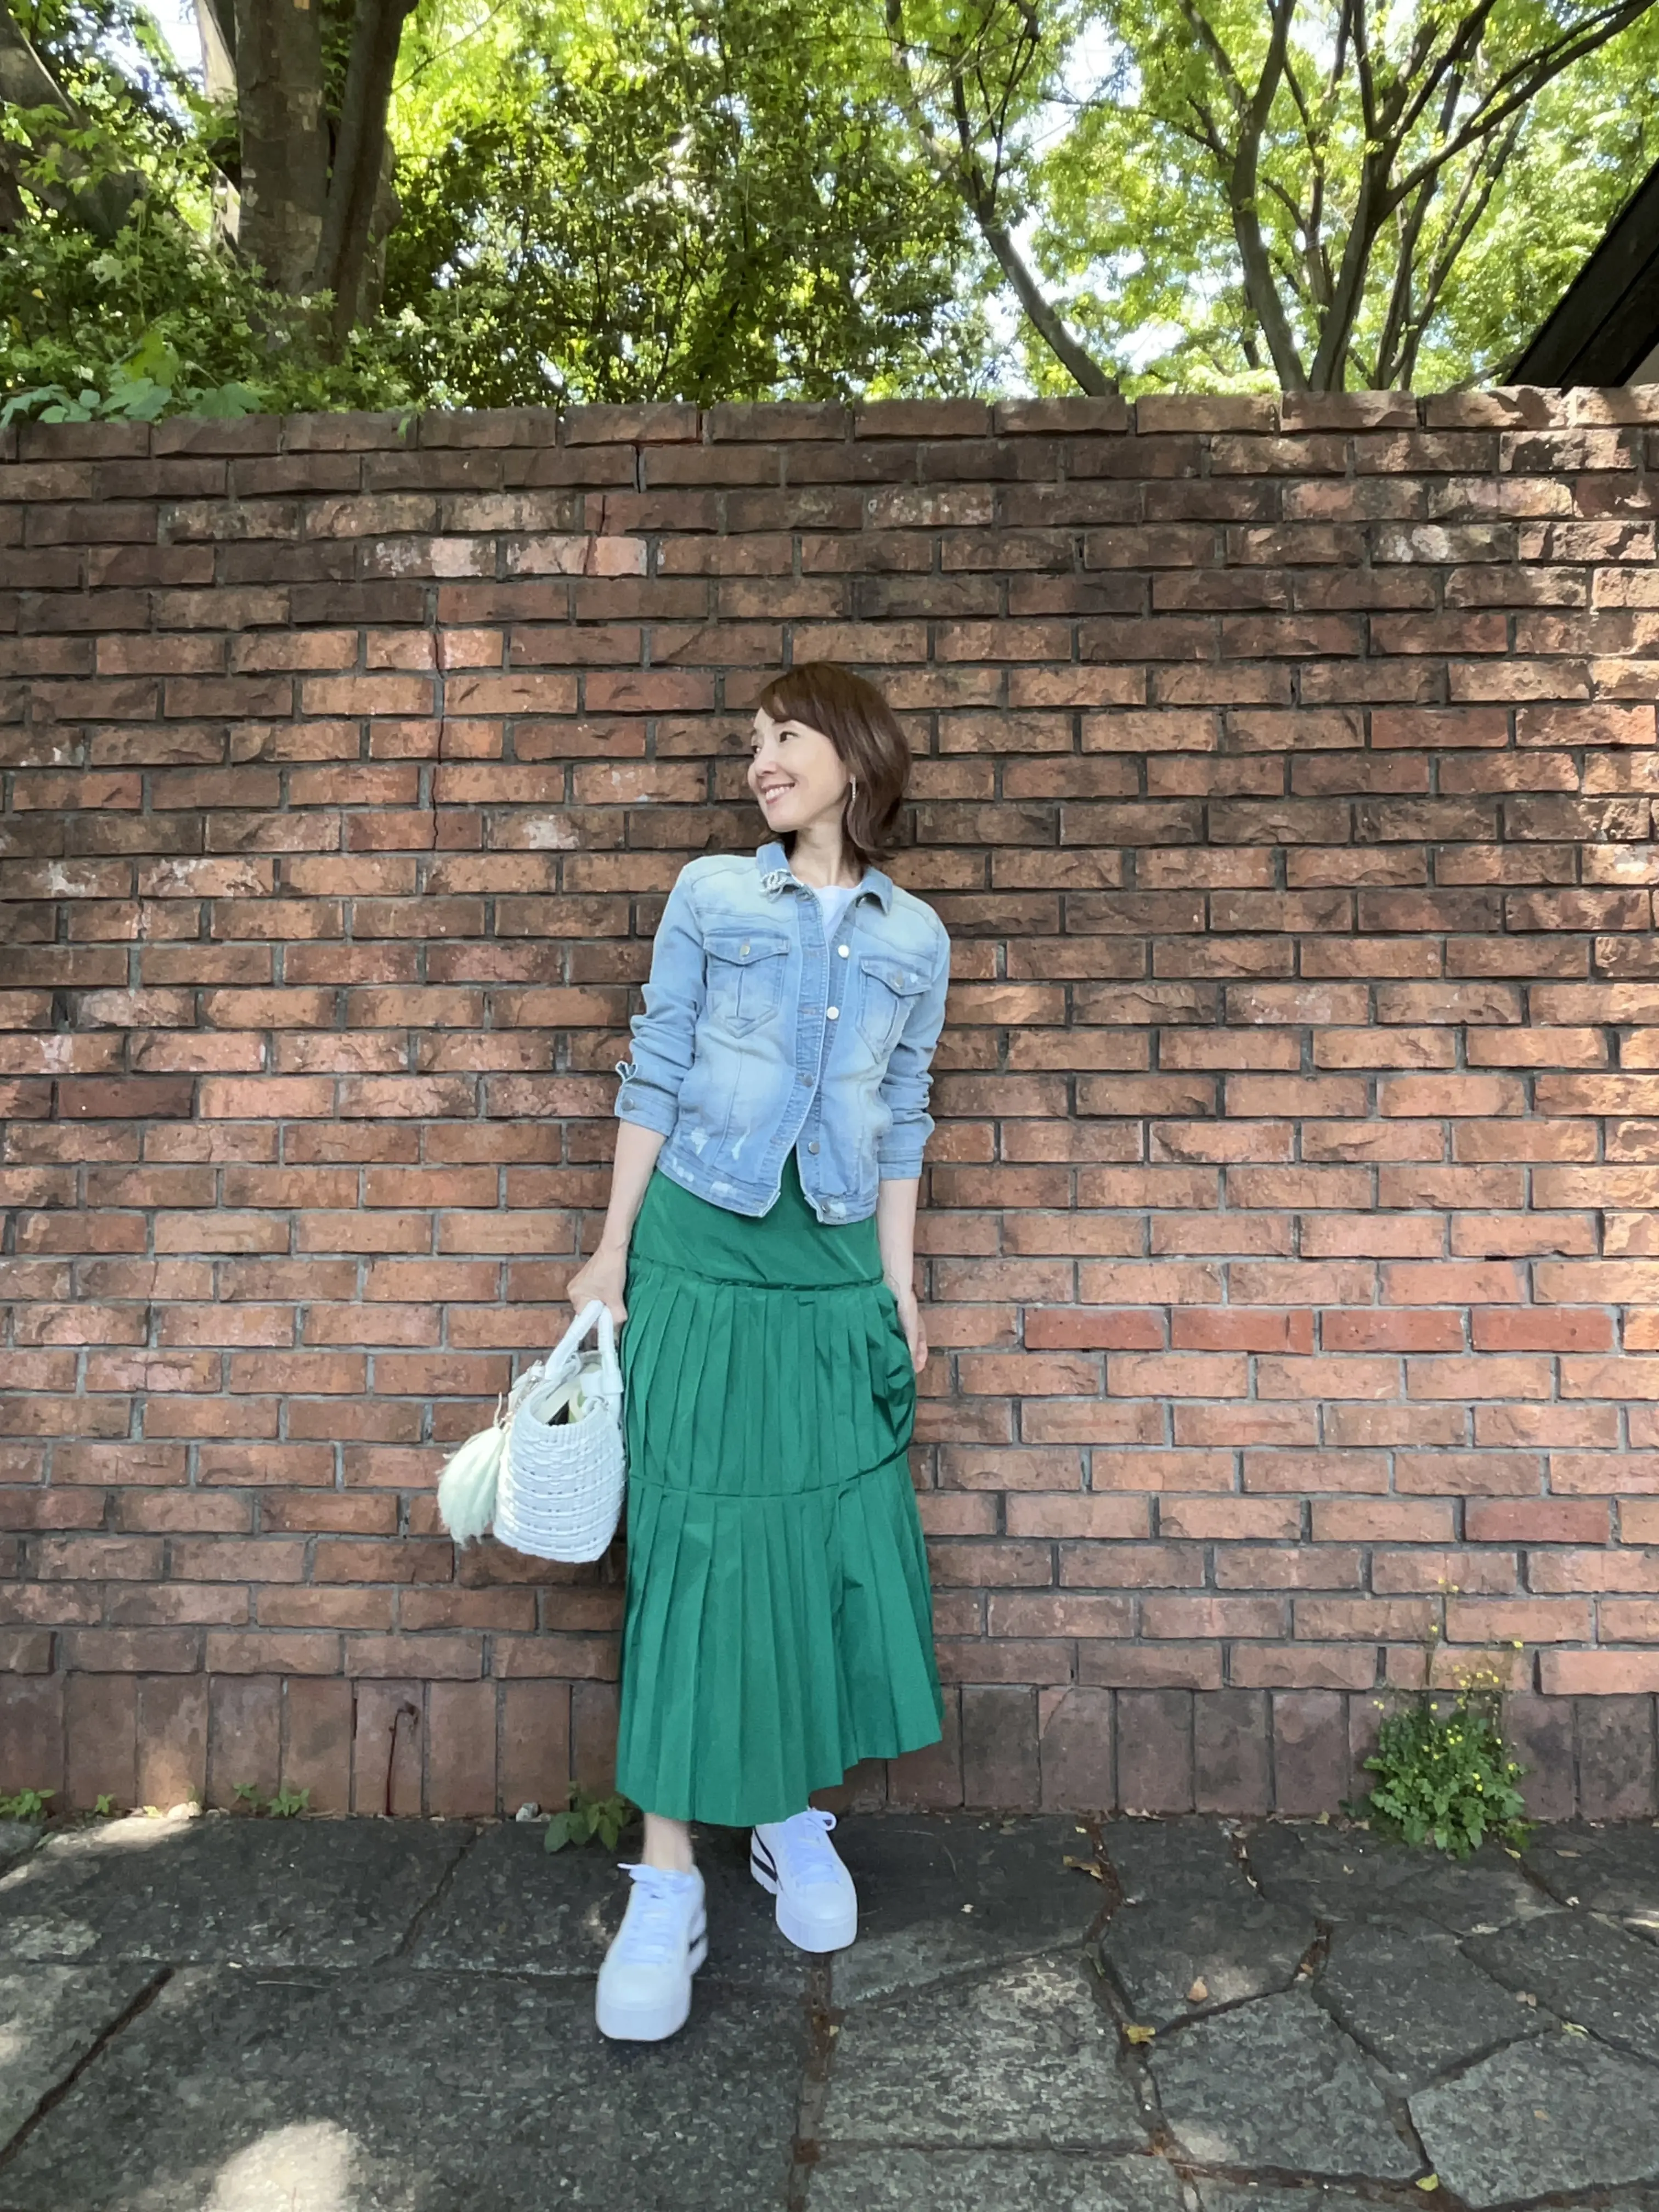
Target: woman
(760, 1244)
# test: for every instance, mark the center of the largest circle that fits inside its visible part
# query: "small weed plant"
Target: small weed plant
(1444, 1774)
(287, 1805)
(586, 1817)
(27, 1805)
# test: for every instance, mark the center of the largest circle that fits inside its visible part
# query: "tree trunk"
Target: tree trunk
(285, 170)
(345, 255)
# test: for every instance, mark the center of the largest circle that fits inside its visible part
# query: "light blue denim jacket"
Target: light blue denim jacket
(757, 1036)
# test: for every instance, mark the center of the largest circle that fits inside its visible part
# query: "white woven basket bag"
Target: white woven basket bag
(560, 1491)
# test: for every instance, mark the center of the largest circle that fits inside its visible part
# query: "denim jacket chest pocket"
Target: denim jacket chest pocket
(745, 970)
(888, 987)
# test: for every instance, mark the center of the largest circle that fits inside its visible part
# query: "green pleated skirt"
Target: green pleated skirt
(779, 1623)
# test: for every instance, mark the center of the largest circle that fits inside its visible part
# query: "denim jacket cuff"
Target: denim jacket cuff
(643, 1103)
(898, 1167)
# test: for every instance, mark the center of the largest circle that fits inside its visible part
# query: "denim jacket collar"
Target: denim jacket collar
(773, 864)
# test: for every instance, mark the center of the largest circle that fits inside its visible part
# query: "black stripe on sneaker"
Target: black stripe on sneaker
(759, 1855)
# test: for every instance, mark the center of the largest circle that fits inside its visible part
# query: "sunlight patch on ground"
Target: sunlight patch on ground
(304, 2167)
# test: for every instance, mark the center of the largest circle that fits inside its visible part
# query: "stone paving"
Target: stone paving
(225, 2014)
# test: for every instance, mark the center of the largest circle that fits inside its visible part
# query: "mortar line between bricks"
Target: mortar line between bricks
(54, 2096)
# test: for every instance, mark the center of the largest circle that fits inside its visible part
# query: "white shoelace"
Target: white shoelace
(803, 1841)
(653, 1933)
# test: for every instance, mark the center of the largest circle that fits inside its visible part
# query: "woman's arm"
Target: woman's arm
(896, 1231)
(606, 1275)
(664, 1031)
(908, 1079)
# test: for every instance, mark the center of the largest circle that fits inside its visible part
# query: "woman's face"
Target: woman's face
(795, 773)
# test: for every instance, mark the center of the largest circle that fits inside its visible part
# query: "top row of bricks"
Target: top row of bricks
(669, 423)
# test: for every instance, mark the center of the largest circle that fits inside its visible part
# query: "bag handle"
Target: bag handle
(595, 1312)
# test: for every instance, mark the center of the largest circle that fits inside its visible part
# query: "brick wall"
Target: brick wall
(1284, 776)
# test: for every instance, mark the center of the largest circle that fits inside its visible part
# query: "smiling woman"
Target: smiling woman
(760, 1244)
(820, 731)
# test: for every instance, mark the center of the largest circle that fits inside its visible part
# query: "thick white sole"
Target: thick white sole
(637, 2023)
(807, 1935)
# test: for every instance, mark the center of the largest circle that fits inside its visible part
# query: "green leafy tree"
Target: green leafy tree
(681, 199)
(708, 199)
(1292, 191)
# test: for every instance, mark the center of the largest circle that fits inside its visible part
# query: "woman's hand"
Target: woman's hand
(605, 1276)
(909, 1313)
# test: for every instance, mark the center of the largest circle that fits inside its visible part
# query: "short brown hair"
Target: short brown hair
(864, 730)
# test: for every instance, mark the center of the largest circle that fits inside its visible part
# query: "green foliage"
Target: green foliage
(287, 1805)
(1445, 1778)
(613, 200)
(588, 1816)
(701, 199)
(141, 390)
(27, 1805)
(1136, 234)
(103, 1806)
(709, 199)
(157, 322)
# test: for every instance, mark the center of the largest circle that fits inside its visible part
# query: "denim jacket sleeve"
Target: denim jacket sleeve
(908, 1081)
(664, 1031)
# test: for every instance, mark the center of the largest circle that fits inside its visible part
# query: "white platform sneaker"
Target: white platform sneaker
(818, 1904)
(645, 1984)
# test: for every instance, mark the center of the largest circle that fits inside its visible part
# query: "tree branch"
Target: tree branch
(1241, 180)
(961, 170)
(1528, 77)
(1458, 233)
(355, 179)
(101, 203)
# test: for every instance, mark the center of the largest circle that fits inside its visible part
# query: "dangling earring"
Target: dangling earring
(852, 798)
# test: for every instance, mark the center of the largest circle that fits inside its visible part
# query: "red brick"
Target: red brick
(1313, 1764)
(172, 1740)
(1155, 1750)
(100, 1730)
(317, 1742)
(1075, 1750)
(1542, 1521)
(1303, 1667)
(32, 1729)
(244, 1735)
(1000, 1759)
(460, 1778)
(1598, 1673)
(1232, 1757)
(931, 1779)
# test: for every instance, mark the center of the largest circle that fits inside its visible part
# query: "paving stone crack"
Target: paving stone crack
(823, 2029)
(55, 2095)
(423, 1912)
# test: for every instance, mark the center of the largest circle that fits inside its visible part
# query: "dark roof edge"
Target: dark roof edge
(1607, 320)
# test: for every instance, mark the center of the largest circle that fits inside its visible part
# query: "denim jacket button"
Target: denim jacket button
(834, 1013)
(743, 952)
(813, 1147)
(842, 948)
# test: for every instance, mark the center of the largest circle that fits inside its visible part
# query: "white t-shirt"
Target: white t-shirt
(833, 899)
